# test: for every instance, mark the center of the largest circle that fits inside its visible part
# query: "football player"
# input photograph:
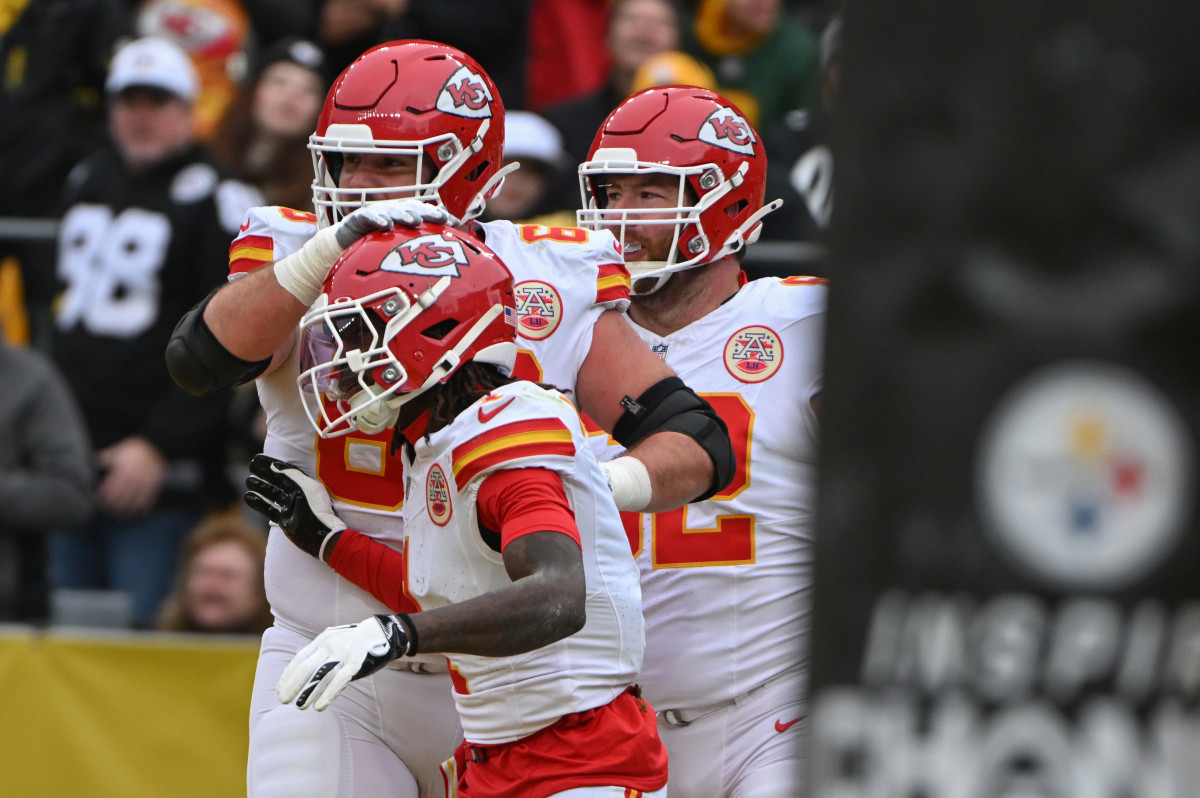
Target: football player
(677, 174)
(422, 122)
(514, 550)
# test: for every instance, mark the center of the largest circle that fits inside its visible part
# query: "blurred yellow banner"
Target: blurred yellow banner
(126, 716)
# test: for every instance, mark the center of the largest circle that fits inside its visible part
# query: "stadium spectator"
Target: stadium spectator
(272, 20)
(215, 34)
(672, 68)
(494, 31)
(565, 58)
(637, 30)
(219, 581)
(764, 57)
(728, 673)
(263, 138)
(146, 221)
(528, 194)
(46, 476)
(800, 150)
(53, 61)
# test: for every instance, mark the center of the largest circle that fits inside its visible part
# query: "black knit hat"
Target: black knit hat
(297, 50)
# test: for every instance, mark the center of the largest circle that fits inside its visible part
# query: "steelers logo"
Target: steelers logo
(539, 309)
(1083, 476)
(437, 496)
(753, 354)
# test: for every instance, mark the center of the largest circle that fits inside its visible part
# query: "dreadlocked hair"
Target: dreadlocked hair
(472, 381)
(469, 384)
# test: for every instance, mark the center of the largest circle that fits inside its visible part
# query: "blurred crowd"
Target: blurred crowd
(111, 478)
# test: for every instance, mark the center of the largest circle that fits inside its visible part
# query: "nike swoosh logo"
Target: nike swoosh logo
(780, 726)
(486, 414)
(245, 226)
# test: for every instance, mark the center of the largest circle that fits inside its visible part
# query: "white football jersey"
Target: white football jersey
(725, 582)
(522, 426)
(564, 279)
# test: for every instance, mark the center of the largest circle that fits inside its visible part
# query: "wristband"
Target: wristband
(410, 631)
(629, 482)
(328, 542)
(302, 274)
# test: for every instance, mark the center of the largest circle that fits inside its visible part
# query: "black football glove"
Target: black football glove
(298, 503)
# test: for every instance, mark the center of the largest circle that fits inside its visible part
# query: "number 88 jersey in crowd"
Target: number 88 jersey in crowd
(748, 550)
(564, 279)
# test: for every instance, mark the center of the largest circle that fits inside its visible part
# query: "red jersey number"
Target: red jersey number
(731, 542)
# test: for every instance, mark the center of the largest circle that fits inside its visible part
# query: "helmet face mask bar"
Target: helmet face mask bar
(328, 153)
(349, 378)
(401, 311)
(699, 138)
(334, 203)
(684, 217)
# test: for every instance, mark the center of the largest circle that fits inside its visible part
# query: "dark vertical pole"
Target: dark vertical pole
(1008, 557)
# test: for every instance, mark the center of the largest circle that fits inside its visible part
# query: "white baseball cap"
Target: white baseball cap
(527, 135)
(155, 63)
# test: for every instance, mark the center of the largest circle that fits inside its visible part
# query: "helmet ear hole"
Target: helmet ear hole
(474, 175)
(734, 208)
(440, 330)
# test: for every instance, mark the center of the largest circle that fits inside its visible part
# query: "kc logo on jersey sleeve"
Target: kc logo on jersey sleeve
(431, 255)
(465, 94)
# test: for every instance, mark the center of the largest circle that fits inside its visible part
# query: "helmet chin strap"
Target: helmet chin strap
(644, 285)
(738, 238)
(372, 416)
(496, 182)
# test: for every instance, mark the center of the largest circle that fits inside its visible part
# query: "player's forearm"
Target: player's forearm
(531, 613)
(254, 317)
(680, 469)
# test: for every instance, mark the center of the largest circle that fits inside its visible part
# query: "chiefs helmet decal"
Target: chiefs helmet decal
(465, 94)
(427, 255)
(727, 128)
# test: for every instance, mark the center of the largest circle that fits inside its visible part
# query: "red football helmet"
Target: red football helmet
(402, 310)
(704, 140)
(414, 98)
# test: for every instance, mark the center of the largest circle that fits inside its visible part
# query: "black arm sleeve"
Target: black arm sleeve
(199, 363)
(671, 406)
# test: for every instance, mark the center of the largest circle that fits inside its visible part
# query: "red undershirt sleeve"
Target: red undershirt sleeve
(518, 501)
(515, 501)
(376, 568)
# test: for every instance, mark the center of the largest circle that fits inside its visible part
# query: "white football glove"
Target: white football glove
(303, 272)
(338, 656)
(385, 215)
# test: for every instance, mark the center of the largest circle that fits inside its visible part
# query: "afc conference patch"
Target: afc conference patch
(539, 309)
(753, 354)
(437, 496)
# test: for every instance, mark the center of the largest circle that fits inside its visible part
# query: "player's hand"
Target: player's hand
(295, 501)
(387, 214)
(338, 656)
